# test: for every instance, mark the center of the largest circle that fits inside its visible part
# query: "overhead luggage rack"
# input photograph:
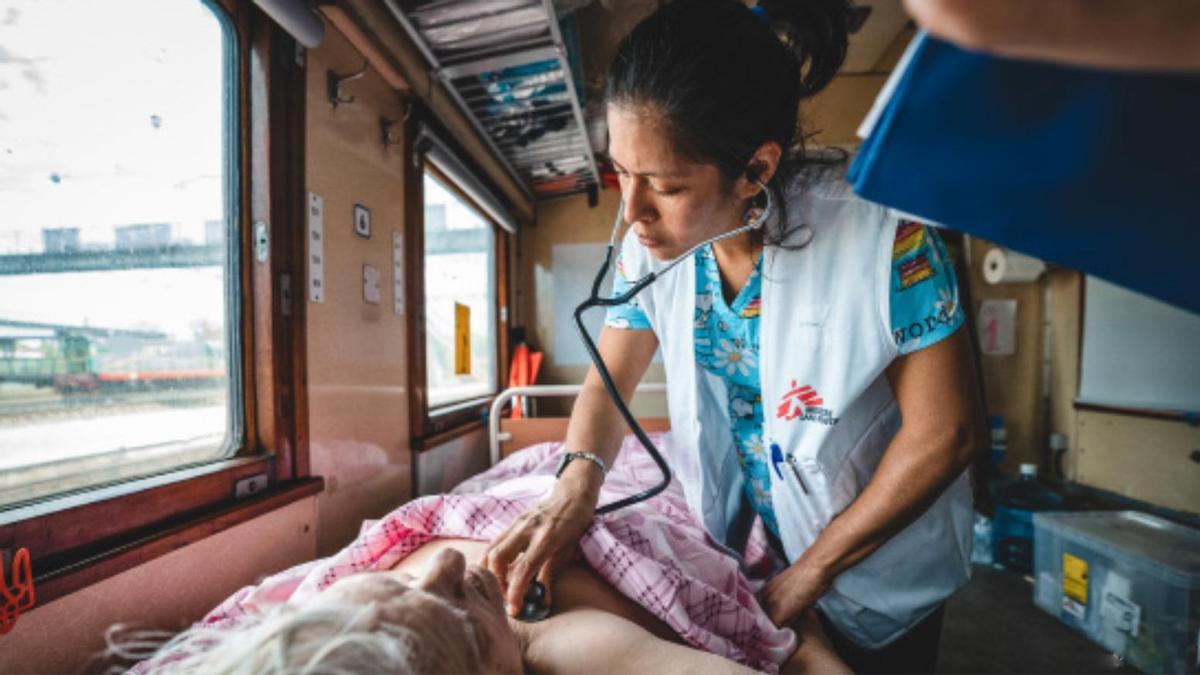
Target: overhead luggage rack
(505, 63)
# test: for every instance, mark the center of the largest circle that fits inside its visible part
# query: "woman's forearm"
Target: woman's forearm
(941, 432)
(596, 426)
(916, 468)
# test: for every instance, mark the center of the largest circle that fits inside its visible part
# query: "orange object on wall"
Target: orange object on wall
(17, 596)
(524, 370)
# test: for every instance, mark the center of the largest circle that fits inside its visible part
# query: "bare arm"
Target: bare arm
(1153, 35)
(543, 539)
(596, 425)
(940, 434)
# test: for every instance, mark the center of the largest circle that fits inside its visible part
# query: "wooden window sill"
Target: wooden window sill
(63, 575)
(442, 437)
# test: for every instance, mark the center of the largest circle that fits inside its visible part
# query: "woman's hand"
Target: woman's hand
(544, 538)
(793, 591)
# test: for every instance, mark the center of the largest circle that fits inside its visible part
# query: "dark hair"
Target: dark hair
(727, 78)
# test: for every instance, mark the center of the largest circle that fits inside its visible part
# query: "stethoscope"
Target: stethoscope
(534, 607)
(595, 300)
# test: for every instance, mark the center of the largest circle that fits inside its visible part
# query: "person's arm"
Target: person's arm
(1147, 35)
(542, 539)
(940, 433)
(596, 425)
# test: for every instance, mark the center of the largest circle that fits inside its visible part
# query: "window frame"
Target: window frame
(78, 539)
(432, 427)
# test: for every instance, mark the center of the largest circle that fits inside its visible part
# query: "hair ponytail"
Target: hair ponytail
(817, 32)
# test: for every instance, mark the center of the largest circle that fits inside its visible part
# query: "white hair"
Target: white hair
(325, 639)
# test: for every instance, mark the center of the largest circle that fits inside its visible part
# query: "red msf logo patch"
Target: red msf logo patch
(804, 404)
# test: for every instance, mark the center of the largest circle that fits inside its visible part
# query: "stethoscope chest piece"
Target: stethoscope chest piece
(534, 606)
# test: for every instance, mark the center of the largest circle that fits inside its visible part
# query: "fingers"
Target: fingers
(550, 567)
(522, 571)
(535, 545)
(503, 551)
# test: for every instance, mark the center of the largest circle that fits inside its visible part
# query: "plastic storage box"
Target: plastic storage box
(1128, 580)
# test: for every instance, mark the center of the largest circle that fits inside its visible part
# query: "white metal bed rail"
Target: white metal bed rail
(533, 391)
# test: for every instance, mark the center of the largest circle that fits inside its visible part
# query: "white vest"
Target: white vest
(824, 325)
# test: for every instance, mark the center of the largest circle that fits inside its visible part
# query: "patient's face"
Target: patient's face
(437, 602)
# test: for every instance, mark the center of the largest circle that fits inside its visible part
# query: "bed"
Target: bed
(653, 552)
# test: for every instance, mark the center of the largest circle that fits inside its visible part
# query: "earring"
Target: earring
(755, 211)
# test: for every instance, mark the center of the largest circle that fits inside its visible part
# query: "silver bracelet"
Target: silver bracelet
(568, 456)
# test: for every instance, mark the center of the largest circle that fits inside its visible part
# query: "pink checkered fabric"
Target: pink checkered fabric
(654, 552)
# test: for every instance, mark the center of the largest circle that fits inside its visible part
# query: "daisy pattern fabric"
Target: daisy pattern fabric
(726, 338)
(654, 552)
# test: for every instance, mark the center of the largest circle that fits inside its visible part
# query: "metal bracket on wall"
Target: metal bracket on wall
(334, 82)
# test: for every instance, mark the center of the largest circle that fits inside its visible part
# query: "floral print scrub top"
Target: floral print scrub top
(726, 335)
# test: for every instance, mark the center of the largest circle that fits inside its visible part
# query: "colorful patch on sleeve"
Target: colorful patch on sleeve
(914, 270)
(910, 236)
(924, 297)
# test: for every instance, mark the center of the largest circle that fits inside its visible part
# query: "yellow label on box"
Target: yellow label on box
(1075, 578)
(462, 339)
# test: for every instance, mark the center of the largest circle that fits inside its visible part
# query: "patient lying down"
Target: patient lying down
(649, 595)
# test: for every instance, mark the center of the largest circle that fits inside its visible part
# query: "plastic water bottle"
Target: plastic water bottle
(981, 549)
(1012, 523)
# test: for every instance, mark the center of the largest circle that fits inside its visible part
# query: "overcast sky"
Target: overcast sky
(110, 114)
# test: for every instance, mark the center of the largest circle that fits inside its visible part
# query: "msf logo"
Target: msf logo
(804, 404)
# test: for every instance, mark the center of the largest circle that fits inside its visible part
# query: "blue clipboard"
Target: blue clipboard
(1089, 169)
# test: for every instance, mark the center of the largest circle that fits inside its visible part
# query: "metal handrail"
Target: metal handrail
(535, 390)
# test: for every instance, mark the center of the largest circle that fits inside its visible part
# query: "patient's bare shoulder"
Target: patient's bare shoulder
(418, 561)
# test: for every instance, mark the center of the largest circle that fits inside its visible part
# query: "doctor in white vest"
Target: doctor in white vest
(820, 383)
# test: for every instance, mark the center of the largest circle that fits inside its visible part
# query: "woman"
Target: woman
(819, 380)
(649, 595)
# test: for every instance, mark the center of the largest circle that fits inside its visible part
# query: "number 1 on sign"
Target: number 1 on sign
(998, 327)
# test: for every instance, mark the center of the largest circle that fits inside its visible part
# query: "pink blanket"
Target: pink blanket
(654, 552)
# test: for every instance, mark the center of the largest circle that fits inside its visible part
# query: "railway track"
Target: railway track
(23, 409)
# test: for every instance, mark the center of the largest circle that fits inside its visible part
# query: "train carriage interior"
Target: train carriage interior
(267, 268)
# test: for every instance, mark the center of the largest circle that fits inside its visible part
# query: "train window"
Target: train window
(460, 298)
(118, 257)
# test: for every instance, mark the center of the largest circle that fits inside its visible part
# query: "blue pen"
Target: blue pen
(777, 459)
